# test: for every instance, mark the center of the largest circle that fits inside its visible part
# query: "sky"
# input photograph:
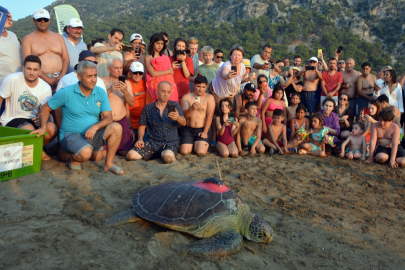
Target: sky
(22, 8)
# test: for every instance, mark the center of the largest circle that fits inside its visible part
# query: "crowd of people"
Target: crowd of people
(146, 101)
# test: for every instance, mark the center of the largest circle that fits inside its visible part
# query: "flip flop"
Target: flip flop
(115, 170)
(73, 167)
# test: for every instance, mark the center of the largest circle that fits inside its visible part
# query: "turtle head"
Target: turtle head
(260, 231)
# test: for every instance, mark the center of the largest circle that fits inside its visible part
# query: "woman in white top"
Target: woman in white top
(391, 89)
(226, 83)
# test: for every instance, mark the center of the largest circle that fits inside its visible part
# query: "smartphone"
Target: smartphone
(234, 68)
(310, 68)
(126, 48)
(319, 53)
(138, 51)
(366, 111)
(179, 61)
(264, 84)
(171, 108)
(285, 68)
(231, 116)
(121, 78)
(339, 49)
(198, 99)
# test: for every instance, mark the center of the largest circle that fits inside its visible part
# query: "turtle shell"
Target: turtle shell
(185, 206)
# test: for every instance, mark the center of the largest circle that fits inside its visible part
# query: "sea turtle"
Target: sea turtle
(205, 209)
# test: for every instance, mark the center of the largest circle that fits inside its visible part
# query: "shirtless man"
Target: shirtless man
(198, 108)
(250, 132)
(50, 47)
(385, 104)
(130, 57)
(366, 84)
(386, 136)
(349, 86)
(120, 96)
(311, 80)
(247, 95)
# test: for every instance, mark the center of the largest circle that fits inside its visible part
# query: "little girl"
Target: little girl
(227, 129)
(293, 105)
(315, 146)
(296, 123)
(275, 102)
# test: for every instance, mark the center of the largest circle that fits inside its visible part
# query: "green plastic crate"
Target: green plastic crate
(33, 157)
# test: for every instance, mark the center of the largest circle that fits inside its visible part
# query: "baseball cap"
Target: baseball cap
(246, 62)
(84, 54)
(135, 36)
(313, 59)
(250, 87)
(75, 22)
(143, 43)
(41, 13)
(136, 67)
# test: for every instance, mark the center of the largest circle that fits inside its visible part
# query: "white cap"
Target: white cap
(136, 67)
(143, 43)
(41, 13)
(135, 36)
(313, 58)
(75, 22)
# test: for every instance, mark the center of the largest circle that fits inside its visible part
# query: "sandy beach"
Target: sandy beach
(326, 214)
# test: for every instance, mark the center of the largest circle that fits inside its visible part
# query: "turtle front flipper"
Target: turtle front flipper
(221, 244)
(122, 218)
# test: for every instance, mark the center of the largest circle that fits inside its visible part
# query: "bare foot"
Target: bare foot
(45, 156)
(302, 152)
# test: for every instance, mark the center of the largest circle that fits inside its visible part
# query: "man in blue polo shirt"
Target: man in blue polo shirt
(81, 133)
(74, 41)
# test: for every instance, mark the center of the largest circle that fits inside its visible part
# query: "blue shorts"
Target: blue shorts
(75, 142)
(309, 100)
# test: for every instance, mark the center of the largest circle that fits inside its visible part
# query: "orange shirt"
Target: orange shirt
(142, 97)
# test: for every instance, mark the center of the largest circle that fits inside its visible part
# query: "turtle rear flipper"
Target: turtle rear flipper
(122, 218)
(221, 244)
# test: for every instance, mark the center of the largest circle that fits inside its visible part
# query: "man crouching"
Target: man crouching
(81, 134)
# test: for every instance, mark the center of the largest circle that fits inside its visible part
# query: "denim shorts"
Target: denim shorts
(75, 142)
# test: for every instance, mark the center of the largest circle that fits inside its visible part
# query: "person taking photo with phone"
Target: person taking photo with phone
(331, 82)
(161, 118)
(276, 78)
(311, 79)
(260, 62)
(183, 66)
(135, 54)
(198, 108)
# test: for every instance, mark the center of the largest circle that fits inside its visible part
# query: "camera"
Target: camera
(310, 68)
(183, 52)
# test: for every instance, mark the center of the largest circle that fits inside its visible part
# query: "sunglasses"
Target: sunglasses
(312, 61)
(193, 41)
(137, 73)
(343, 99)
(260, 82)
(220, 57)
(44, 19)
(341, 63)
(166, 40)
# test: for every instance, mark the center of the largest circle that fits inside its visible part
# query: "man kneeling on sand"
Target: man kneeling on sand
(162, 118)
(250, 132)
(81, 133)
(198, 108)
(385, 141)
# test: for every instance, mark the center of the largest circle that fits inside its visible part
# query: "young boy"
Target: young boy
(291, 110)
(277, 134)
(386, 135)
(358, 144)
(250, 131)
(209, 69)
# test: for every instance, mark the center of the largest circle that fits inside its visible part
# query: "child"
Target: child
(315, 146)
(357, 142)
(296, 123)
(227, 129)
(209, 69)
(277, 134)
(292, 108)
(275, 102)
(250, 131)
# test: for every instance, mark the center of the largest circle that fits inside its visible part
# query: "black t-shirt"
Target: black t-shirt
(290, 90)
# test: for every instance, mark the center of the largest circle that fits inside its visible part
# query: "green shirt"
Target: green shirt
(208, 71)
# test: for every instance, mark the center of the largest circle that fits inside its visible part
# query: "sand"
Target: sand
(326, 214)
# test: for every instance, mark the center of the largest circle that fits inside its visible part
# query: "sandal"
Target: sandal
(73, 167)
(116, 170)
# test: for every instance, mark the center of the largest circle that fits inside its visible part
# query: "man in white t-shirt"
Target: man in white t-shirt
(71, 78)
(260, 62)
(111, 50)
(24, 93)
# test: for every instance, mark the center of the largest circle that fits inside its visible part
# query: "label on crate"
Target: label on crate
(11, 156)
(28, 155)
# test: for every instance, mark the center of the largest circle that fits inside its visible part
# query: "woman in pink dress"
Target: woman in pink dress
(158, 67)
(262, 94)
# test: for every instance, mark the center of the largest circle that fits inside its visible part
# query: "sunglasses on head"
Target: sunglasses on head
(137, 73)
(312, 61)
(344, 99)
(40, 20)
(220, 57)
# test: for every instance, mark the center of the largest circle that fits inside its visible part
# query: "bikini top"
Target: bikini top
(274, 106)
(319, 136)
(297, 127)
